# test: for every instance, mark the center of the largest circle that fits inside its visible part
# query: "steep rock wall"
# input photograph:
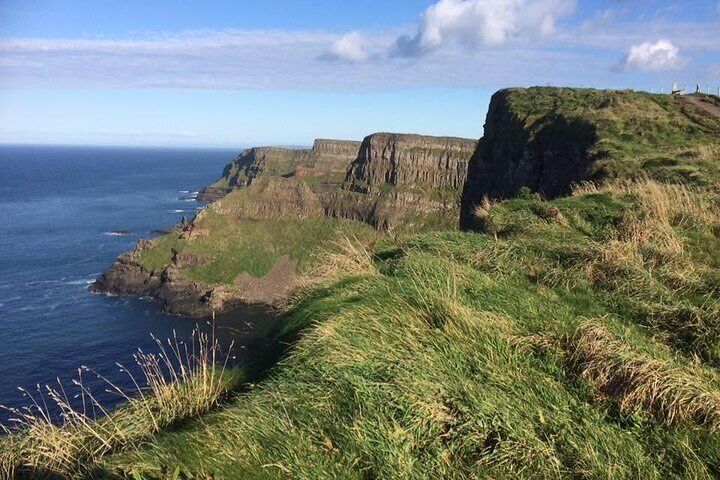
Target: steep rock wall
(411, 162)
(397, 178)
(549, 138)
(325, 164)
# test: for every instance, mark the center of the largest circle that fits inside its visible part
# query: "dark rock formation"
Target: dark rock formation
(126, 276)
(512, 155)
(181, 296)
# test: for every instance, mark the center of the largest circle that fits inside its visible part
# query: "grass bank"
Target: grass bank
(569, 339)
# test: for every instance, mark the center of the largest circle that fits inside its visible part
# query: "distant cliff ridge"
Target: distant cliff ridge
(325, 164)
(410, 161)
(274, 207)
(396, 177)
(385, 180)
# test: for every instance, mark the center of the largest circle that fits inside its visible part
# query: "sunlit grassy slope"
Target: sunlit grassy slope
(638, 133)
(576, 338)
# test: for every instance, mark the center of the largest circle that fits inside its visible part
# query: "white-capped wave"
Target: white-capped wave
(84, 281)
(117, 233)
(177, 210)
(183, 191)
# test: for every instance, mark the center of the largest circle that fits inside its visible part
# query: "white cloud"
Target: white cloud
(471, 23)
(648, 56)
(350, 47)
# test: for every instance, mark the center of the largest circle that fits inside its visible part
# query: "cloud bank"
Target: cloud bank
(350, 47)
(456, 43)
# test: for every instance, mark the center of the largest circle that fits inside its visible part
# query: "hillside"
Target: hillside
(571, 331)
(546, 139)
(323, 165)
(277, 209)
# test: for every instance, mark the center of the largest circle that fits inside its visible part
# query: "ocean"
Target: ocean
(61, 211)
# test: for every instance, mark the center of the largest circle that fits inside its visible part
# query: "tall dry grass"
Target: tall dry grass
(347, 256)
(181, 380)
(662, 203)
(647, 236)
(643, 383)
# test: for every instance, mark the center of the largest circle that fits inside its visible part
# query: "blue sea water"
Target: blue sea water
(58, 207)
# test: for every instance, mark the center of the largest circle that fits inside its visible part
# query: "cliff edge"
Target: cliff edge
(549, 139)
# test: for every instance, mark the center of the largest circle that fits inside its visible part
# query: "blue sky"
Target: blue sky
(238, 73)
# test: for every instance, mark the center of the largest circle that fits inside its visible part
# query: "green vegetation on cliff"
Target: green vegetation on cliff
(577, 337)
(637, 133)
(573, 338)
(252, 246)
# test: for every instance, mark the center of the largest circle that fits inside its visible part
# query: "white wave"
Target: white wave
(117, 234)
(177, 210)
(195, 193)
(183, 191)
(80, 282)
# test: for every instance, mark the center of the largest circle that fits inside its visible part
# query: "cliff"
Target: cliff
(324, 165)
(396, 177)
(548, 139)
(276, 208)
(414, 162)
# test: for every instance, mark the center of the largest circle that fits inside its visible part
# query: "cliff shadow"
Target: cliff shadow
(548, 157)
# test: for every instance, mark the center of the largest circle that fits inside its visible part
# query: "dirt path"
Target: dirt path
(711, 108)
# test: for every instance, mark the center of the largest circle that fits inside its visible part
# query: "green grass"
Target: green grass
(252, 246)
(637, 133)
(570, 339)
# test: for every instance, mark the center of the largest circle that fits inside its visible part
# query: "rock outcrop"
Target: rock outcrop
(399, 176)
(414, 162)
(326, 162)
(511, 156)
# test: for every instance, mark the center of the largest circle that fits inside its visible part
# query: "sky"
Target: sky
(241, 73)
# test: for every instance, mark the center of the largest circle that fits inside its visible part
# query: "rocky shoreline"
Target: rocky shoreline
(381, 181)
(179, 295)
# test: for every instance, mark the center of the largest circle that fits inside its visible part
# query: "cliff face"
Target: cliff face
(548, 139)
(398, 177)
(324, 164)
(410, 162)
(511, 155)
(394, 180)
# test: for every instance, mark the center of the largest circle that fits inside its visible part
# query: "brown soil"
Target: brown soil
(271, 288)
(711, 108)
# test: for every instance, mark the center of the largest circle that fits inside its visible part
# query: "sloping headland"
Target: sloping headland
(569, 329)
(276, 209)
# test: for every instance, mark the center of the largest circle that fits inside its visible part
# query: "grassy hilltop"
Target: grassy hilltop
(577, 337)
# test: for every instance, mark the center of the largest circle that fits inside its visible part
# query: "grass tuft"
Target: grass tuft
(180, 381)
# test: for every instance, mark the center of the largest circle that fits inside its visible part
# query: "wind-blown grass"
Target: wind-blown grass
(470, 355)
(179, 382)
